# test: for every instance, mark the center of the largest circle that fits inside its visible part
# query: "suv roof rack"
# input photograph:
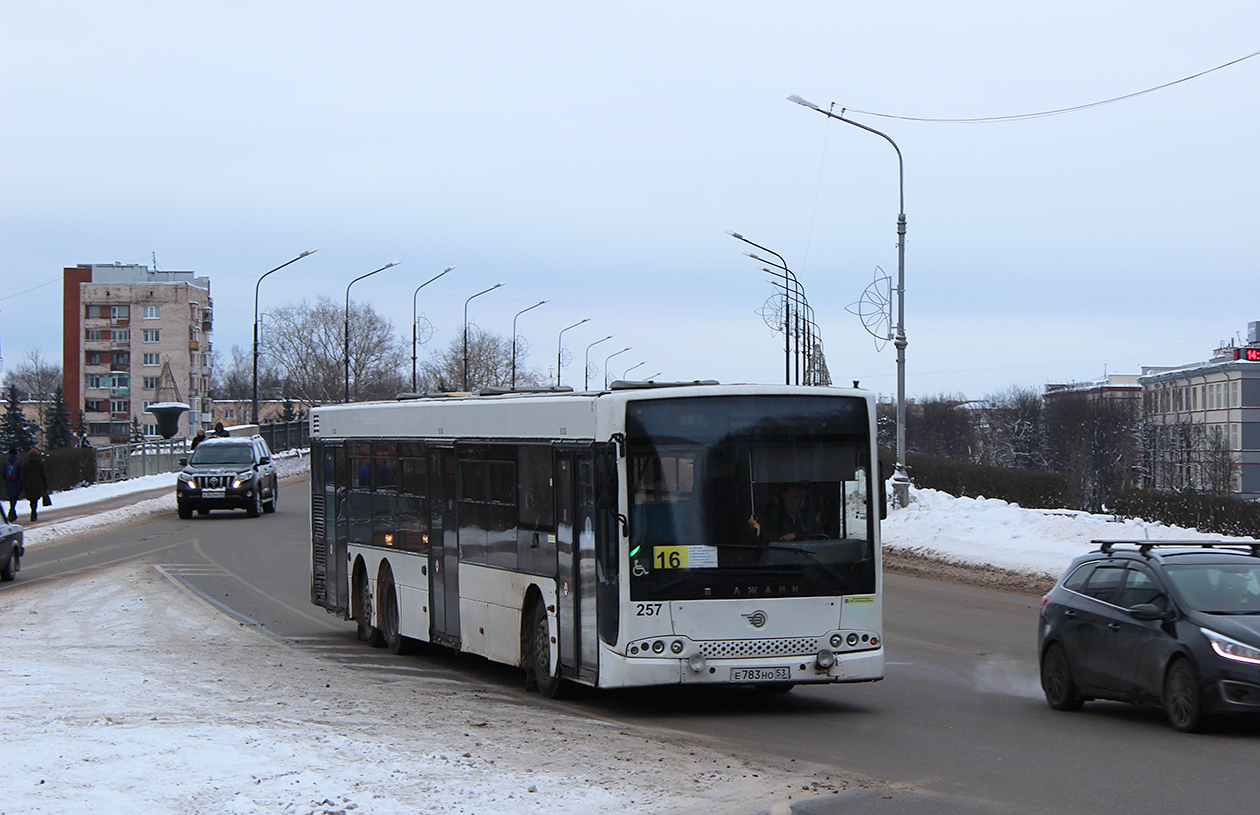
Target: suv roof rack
(1145, 546)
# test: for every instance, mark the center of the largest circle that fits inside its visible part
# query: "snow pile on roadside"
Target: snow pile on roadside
(991, 532)
(123, 693)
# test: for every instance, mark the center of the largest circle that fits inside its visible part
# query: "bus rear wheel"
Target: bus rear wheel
(363, 612)
(549, 685)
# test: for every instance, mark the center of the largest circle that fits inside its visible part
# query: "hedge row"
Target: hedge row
(69, 467)
(1222, 515)
(1027, 488)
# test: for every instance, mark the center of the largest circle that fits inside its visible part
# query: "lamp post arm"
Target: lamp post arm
(413, 322)
(518, 314)
(347, 348)
(254, 403)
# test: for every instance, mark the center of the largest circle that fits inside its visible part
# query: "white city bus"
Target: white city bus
(643, 535)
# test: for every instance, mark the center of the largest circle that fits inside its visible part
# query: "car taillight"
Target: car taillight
(1044, 600)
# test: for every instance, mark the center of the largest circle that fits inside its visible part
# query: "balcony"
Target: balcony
(120, 391)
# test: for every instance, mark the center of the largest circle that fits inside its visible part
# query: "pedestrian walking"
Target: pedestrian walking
(12, 472)
(220, 430)
(199, 438)
(34, 483)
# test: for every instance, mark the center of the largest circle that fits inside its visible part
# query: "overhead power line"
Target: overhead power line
(1022, 116)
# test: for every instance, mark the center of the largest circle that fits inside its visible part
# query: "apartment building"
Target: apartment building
(122, 326)
(1210, 416)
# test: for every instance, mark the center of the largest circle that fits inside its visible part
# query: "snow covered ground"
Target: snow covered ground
(121, 691)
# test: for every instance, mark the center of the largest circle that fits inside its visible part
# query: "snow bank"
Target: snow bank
(123, 693)
(987, 531)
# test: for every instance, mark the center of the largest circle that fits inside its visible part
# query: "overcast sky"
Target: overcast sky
(596, 154)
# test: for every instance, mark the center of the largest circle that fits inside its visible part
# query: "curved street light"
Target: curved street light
(254, 404)
(586, 369)
(610, 356)
(560, 346)
(626, 374)
(519, 313)
(348, 285)
(413, 323)
(901, 481)
(466, 302)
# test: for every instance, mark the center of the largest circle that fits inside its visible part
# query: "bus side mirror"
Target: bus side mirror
(883, 492)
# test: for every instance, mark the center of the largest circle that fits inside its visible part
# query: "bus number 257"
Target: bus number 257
(648, 610)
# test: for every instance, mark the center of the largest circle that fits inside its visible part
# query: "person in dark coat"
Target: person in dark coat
(220, 430)
(199, 438)
(12, 482)
(34, 483)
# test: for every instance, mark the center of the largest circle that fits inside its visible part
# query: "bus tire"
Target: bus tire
(363, 611)
(391, 628)
(549, 685)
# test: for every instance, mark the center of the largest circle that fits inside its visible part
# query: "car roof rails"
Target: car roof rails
(1144, 547)
(497, 391)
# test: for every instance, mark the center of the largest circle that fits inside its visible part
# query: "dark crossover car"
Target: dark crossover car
(228, 473)
(1173, 623)
(11, 550)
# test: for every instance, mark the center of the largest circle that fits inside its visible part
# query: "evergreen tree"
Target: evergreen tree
(137, 435)
(57, 423)
(288, 415)
(15, 430)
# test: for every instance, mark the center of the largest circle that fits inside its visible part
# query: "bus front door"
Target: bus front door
(443, 549)
(575, 549)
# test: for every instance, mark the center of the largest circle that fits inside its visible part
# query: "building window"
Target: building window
(94, 405)
(150, 430)
(151, 383)
(92, 358)
(152, 334)
(93, 335)
(121, 335)
(120, 312)
(1234, 400)
(151, 312)
(152, 359)
(93, 381)
(229, 414)
(119, 406)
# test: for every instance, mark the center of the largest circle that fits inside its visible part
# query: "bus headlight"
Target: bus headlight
(676, 646)
(825, 659)
(658, 647)
(837, 640)
(696, 662)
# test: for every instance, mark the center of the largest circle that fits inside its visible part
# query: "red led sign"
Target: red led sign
(1248, 354)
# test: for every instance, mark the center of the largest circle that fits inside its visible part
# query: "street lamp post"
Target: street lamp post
(348, 285)
(901, 481)
(254, 404)
(560, 346)
(586, 369)
(519, 313)
(413, 323)
(626, 375)
(799, 290)
(466, 302)
(610, 356)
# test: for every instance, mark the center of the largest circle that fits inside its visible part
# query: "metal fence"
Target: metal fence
(119, 462)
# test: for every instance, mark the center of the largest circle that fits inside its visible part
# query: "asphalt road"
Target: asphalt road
(958, 725)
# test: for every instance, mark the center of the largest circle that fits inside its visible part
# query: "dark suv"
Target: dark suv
(1173, 623)
(228, 473)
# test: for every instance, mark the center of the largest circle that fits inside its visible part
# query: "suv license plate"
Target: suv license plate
(212, 493)
(760, 674)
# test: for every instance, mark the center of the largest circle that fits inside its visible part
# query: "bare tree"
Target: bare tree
(35, 379)
(235, 380)
(489, 364)
(1094, 436)
(1014, 431)
(941, 426)
(307, 346)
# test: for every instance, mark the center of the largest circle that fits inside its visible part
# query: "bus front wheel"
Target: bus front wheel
(549, 685)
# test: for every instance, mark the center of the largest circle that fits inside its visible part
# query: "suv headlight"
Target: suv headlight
(241, 479)
(1232, 648)
(186, 480)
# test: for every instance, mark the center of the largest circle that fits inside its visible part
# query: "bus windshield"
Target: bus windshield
(749, 496)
